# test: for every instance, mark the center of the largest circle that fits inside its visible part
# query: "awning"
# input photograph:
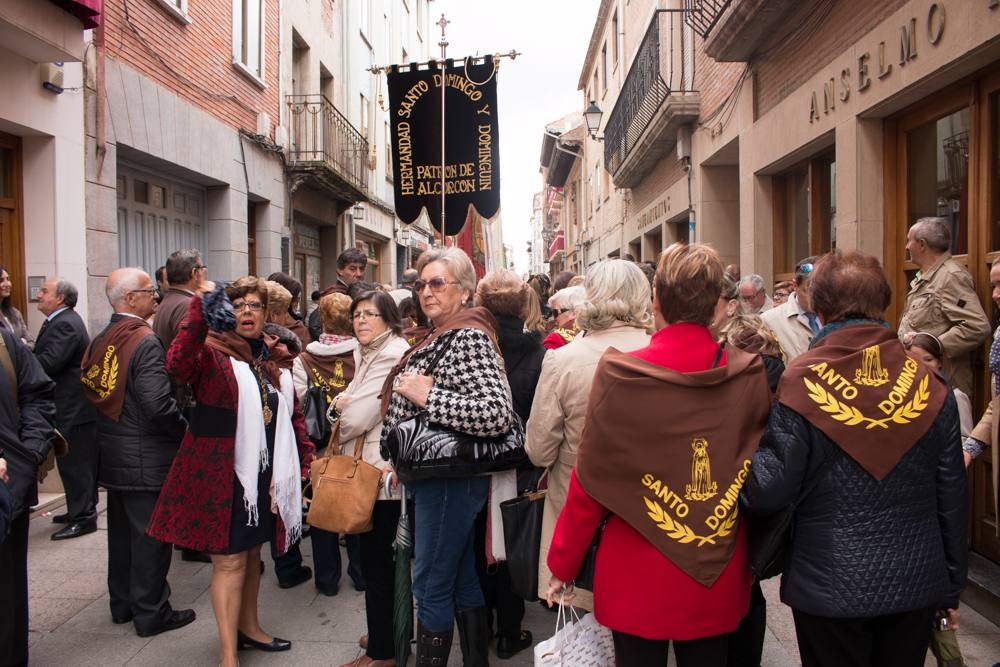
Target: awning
(558, 243)
(561, 163)
(88, 11)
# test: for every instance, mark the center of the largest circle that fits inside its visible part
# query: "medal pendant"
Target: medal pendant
(267, 414)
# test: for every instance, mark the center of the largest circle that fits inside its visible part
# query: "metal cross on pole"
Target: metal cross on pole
(443, 22)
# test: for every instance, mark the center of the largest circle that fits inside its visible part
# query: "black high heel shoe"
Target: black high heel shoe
(274, 646)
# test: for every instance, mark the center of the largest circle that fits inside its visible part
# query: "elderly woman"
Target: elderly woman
(290, 317)
(10, 317)
(378, 330)
(466, 392)
(615, 313)
(657, 462)
(236, 480)
(329, 362)
(508, 297)
(878, 534)
(726, 308)
(563, 305)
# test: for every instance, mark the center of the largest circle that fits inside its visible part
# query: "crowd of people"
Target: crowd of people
(195, 408)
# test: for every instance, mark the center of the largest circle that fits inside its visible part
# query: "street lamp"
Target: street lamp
(358, 212)
(404, 234)
(592, 116)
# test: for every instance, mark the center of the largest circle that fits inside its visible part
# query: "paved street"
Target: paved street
(71, 624)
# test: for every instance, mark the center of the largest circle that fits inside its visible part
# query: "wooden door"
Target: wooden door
(11, 226)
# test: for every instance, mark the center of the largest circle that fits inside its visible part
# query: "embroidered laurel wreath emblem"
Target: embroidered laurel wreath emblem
(851, 416)
(682, 532)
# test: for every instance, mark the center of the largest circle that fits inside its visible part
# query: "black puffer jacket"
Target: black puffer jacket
(137, 450)
(861, 547)
(522, 358)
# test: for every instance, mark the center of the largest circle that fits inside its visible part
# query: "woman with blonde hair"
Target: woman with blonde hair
(614, 313)
(534, 322)
(670, 431)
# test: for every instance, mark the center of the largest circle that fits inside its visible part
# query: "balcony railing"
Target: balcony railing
(322, 137)
(702, 15)
(644, 91)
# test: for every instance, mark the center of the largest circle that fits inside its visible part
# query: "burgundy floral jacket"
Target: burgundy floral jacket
(195, 506)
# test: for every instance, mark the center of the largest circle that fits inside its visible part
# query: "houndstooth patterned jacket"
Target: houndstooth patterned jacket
(470, 392)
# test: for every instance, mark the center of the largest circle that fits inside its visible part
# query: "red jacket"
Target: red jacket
(638, 590)
(196, 504)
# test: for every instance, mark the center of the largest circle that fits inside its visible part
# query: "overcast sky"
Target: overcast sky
(533, 90)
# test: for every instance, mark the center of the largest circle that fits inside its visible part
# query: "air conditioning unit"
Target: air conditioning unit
(263, 124)
(281, 136)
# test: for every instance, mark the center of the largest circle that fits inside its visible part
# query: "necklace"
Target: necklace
(263, 394)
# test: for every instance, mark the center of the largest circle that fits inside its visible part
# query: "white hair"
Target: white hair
(123, 281)
(616, 291)
(568, 297)
(458, 263)
(755, 281)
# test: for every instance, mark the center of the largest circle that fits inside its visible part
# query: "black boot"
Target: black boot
(433, 647)
(472, 633)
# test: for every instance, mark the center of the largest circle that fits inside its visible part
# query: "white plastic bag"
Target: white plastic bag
(576, 643)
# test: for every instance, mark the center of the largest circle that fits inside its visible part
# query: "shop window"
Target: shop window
(937, 174)
(805, 212)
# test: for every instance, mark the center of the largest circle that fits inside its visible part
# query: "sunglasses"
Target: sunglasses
(556, 312)
(805, 268)
(436, 284)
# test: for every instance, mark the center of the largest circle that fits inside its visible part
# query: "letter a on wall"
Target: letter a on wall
(472, 142)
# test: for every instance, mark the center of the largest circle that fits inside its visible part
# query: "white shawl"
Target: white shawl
(251, 450)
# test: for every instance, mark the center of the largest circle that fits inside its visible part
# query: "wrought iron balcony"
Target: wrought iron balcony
(324, 144)
(642, 125)
(702, 15)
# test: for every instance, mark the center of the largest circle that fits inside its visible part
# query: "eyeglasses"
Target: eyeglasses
(151, 290)
(201, 267)
(436, 284)
(365, 315)
(255, 306)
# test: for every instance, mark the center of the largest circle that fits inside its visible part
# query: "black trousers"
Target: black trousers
(495, 582)
(379, 567)
(78, 471)
(894, 640)
(14, 594)
(746, 643)
(632, 651)
(327, 564)
(137, 564)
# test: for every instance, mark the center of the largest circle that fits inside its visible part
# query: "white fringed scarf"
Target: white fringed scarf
(251, 450)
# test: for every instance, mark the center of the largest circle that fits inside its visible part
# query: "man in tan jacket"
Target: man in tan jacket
(942, 300)
(793, 322)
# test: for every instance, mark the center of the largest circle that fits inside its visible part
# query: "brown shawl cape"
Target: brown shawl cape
(467, 318)
(858, 386)
(235, 345)
(334, 372)
(104, 367)
(668, 452)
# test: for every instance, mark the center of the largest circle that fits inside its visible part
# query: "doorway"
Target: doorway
(11, 224)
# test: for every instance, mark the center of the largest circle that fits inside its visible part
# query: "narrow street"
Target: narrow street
(71, 624)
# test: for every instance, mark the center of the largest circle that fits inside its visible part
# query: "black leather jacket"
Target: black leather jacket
(137, 450)
(860, 547)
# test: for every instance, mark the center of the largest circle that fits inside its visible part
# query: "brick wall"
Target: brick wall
(781, 71)
(713, 80)
(198, 56)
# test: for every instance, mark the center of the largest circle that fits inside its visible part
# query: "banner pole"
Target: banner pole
(444, 86)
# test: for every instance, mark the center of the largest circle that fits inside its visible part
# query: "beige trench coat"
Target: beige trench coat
(557, 417)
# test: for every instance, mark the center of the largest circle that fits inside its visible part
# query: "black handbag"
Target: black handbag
(585, 577)
(769, 537)
(421, 450)
(522, 534)
(314, 407)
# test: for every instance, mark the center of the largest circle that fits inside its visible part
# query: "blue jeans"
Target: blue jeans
(444, 567)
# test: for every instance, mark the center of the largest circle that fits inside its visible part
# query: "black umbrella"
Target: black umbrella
(402, 599)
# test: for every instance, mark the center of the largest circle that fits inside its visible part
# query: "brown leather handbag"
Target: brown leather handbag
(344, 489)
